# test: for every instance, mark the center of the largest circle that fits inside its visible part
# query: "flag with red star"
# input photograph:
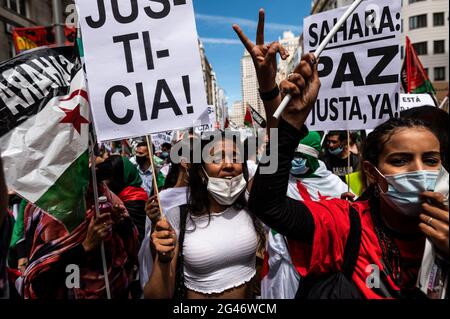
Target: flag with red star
(44, 127)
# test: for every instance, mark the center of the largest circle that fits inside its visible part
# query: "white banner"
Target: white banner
(206, 125)
(160, 138)
(409, 101)
(143, 66)
(359, 69)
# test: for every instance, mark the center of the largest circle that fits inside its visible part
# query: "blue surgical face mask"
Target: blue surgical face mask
(336, 151)
(404, 190)
(299, 166)
(164, 155)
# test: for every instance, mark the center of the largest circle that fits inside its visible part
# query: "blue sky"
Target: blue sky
(214, 20)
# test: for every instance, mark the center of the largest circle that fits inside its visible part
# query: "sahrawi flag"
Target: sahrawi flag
(414, 77)
(44, 119)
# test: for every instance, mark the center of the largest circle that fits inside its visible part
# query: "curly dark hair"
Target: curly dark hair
(198, 199)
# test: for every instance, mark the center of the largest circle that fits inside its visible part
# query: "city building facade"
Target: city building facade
(291, 43)
(23, 13)
(250, 86)
(237, 114)
(426, 24)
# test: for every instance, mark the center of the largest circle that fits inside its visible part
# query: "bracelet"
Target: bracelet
(269, 96)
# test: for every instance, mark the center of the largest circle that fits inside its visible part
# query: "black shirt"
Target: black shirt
(339, 166)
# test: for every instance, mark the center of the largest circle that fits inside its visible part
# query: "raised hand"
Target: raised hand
(303, 85)
(264, 56)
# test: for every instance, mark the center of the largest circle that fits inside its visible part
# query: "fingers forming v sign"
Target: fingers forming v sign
(263, 56)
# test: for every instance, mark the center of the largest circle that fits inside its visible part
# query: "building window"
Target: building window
(417, 22)
(425, 70)
(421, 48)
(439, 46)
(19, 6)
(438, 19)
(439, 74)
(413, 1)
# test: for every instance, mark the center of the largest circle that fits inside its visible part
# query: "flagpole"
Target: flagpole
(155, 186)
(97, 212)
(152, 164)
(325, 133)
(319, 50)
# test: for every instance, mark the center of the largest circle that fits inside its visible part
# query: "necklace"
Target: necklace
(389, 249)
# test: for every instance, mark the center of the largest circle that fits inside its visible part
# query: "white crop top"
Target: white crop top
(220, 255)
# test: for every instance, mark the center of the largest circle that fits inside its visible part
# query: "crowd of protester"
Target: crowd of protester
(338, 202)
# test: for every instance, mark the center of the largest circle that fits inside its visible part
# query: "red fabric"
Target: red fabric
(303, 191)
(29, 38)
(131, 193)
(332, 226)
(415, 73)
(50, 236)
(248, 120)
(265, 267)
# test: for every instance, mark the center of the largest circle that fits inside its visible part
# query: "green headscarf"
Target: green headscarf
(312, 140)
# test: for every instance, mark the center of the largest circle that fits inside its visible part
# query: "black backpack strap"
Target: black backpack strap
(352, 246)
(180, 289)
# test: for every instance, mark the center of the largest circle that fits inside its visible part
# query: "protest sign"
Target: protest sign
(143, 66)
(359, 69)
(160, 138)
(409, 101)
(206, 124)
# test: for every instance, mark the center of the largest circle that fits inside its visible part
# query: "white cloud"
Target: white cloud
(220, 41)
(246, 23)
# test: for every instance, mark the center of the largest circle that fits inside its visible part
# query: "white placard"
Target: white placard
(206, 125)
(409, 101)
(359, 69)
(160, 138)
(143, 66)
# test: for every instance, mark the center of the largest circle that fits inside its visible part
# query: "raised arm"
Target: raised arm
(264, 58)
(268, 198)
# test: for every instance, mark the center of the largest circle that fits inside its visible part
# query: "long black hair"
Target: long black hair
(198, 199)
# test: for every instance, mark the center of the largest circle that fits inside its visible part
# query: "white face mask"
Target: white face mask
(226, 191)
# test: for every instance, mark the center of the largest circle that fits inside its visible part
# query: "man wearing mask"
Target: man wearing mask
(144, 167)
(165, 151)
(337, 155)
